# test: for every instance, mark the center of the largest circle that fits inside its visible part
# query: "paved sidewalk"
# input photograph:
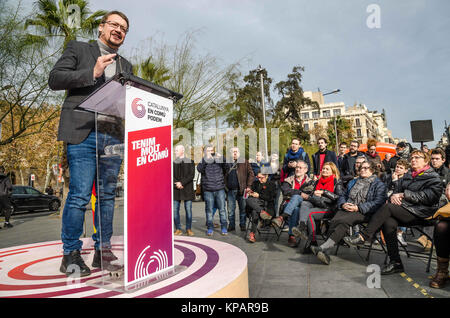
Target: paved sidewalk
(275, 269)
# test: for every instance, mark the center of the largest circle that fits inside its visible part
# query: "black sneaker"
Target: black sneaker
(301, 231)
(321, 254)
(354, 240)
(307, 247)
(107, 257)
(392, 268)
(243, 227)
(9, 225)
(73, 264)
(231, 228)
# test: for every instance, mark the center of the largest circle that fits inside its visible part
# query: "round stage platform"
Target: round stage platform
(213, 269)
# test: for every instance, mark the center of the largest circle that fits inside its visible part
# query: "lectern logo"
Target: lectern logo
(148, 264)
(137, 108)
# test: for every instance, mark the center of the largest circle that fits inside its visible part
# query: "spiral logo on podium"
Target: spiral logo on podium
(137, 108)
(158, 260)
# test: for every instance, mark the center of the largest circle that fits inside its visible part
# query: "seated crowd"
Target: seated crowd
(350, 190)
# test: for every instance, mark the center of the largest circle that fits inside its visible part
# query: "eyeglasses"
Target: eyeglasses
(116, 25)
(364, 168)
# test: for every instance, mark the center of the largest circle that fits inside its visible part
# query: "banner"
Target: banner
(148, 241)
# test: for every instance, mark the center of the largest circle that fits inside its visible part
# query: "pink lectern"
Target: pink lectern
(138, 115)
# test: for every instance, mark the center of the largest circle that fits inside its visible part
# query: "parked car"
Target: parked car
(25, 198)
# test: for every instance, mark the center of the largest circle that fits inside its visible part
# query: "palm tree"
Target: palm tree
(152, 72)
(67, 18)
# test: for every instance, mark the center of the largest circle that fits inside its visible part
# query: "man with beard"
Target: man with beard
(321, 156)
(83, 68)
(347, 168)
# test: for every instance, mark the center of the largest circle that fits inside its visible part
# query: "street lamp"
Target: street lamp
(264, 111)
(215, 107)
(335, 128)
(333, 92)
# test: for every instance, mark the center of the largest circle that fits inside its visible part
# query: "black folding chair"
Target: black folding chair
(266, 230)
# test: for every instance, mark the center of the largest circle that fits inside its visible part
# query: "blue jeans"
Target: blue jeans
(232, 197)
(176, 214)
(217, 199)
(83, 173)
(292, 209)
(294, 202)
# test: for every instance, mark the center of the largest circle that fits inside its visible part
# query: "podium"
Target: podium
(133, 124)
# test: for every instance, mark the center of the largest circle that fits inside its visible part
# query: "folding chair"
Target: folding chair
(416, 226)
(267, 230)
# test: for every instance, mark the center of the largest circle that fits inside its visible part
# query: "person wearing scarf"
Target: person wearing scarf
(364, 196)
(294, 153)
(320, 204)
(415, 199)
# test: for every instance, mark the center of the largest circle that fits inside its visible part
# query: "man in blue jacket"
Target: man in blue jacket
(212, 169)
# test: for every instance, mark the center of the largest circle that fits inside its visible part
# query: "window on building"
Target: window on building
(326, 113)
(315, 114)
(305, 115)
(357, 122)
(306, 127)
(316, 125)
(358, 132)
(336, 112)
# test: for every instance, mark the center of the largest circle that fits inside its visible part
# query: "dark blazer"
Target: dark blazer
(245, 175)
(183, 171)
(74, 72)
(330, 156)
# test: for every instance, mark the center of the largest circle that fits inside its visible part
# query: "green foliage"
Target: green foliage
(245, 106)
(344, 130)
(68, 19)
(201, 79)
(24, 68)
(149, 71)
(287, 109)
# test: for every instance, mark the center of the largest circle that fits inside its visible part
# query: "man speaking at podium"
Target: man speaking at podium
(82, 68)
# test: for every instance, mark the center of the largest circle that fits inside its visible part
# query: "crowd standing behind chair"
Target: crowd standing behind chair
(349, 189)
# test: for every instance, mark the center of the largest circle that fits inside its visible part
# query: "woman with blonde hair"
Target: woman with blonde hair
(320, 204)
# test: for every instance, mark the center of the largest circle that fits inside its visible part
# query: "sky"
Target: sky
(391, 56)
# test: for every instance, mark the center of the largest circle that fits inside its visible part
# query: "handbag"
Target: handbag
(443, 212)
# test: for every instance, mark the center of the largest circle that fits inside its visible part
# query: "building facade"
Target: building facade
(366, 124)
